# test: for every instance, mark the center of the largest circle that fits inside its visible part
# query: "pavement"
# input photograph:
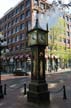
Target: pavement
(15, 97)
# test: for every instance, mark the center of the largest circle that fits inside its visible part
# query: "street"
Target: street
(15, 97)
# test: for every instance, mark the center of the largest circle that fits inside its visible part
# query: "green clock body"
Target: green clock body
(32, 40)
(37, 38)
(42, 38)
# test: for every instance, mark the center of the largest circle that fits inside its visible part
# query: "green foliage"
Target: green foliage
(58, 34)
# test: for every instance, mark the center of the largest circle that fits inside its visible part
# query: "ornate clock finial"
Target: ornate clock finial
(36, 25)
(47, 28)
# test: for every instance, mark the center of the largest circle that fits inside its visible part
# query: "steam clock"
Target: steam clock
(37, 40)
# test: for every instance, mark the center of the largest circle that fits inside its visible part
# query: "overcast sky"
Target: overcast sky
(7, 4)
(64, 1)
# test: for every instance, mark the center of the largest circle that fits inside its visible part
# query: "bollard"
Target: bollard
(64, 92)
(24, 88)
(4, 89)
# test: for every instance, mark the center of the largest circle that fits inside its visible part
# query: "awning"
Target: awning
(16, 57)
(20, 56)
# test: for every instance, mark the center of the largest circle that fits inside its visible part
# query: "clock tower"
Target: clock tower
(37, 36)
(38, 88)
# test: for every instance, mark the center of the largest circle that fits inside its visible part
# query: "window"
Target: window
(17, 10)
(70, 26)
(5, 18)
(64, 40)
(4, 34)
(22, 16)
(13, 40)
(42, 6)
(13, 22)
(67, 18)
(27, 13)
(16, 38)
(70, 19)
(26, 45)
(21, 45)
(17, 29)
(9, 24)
(13, 13)
(9, 33)
(5, 27)
(27, 3)
(68, 41)
(13, 31)
(28, 23)
(9, 40)
(22, 36)
(67, 26)
(22, 7)
(35, 2)
(9, 16)
(17, 19)
(22, 26)
(17, 47)
(68, 34)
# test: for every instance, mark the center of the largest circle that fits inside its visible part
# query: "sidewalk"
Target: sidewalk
(9, 76)
(16, 99)
(59, 71)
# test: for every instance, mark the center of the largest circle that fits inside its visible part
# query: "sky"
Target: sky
(5, 5)
(64, 1)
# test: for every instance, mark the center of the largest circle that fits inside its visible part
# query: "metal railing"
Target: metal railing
(62, 89)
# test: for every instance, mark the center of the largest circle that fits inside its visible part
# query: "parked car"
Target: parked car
(20, 72)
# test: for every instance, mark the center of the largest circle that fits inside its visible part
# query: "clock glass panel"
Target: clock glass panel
(42, 38)
(32, 38)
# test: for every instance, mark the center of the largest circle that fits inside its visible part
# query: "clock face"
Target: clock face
(42, 38)
(37, 38)
(34, 37)
(32, 40)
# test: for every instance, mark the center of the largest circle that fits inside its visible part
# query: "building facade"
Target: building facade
(67, 18)
(14, 25)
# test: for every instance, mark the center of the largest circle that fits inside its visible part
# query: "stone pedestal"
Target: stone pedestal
(38, 89)
(38, 93)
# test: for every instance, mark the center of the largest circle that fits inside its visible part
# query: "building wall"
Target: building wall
(68, 30)
(14, 27)
(14, 24)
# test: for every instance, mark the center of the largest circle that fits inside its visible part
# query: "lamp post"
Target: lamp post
(37, 40)
(3, 45)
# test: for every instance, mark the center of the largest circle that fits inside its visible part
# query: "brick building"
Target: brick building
(13, 26)
(67, 18)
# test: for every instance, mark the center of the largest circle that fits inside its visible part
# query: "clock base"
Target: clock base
(38, 93)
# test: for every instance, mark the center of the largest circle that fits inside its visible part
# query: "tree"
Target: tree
(57, 40)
